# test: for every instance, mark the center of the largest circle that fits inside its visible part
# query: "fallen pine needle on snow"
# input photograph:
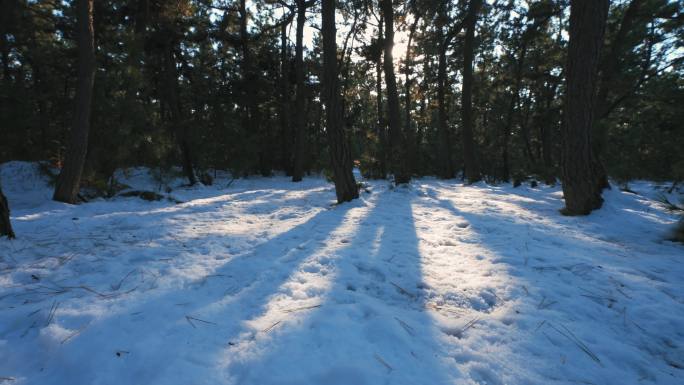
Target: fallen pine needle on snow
(190, 319)
(383, 362)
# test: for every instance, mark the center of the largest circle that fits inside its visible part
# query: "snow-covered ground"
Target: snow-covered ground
(268, 282)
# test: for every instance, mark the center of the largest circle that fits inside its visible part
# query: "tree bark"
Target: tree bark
(471, 167)
(69, 180)
(5, 224)
(251, 114)
(411, 143)
(340, 155)
(580, 170)
(382, 130)
(446, 165)
(174, 105)
(397, 142)
(285, 104)
(300, 119)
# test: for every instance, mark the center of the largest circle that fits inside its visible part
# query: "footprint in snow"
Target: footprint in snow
(463, 224)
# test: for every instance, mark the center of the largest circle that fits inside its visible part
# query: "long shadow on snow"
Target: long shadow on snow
(587, 276)
(371, 327)
(171, 324)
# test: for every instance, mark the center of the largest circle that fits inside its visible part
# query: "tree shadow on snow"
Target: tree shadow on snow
(180, 329)
(368, 327)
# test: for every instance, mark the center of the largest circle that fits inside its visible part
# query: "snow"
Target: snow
(268, 282)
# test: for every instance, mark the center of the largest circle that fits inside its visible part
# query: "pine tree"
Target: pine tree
(69, 180)
(340, 156)
(397, 143)
(472, 169)
(582, 173)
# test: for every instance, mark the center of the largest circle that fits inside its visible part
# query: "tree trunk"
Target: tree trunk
(446, 166)
(340, 155)
(580, 170)
(175, 109)
(505, 158)
(411, 143)
(286, 136)
(382, 131)
(472, 170)
(397, 142)
(251, 115)
(5, 224)
(69, 180)
(300, 118)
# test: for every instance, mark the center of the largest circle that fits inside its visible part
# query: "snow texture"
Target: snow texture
(268, 282)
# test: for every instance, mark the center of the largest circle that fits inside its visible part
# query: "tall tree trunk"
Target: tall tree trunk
(69, 180)
(300, 118)
(547, 123)
(340, 155)
(251, 115)
(580, 170)
(472, 170)
(5, 224)
(446, 165)
(285, 105)
(411, 143)
(397, 142)
(505, 158)
(382, 130)
(609, 70)
(175, 109)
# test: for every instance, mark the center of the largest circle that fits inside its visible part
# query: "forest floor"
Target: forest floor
(268, 282)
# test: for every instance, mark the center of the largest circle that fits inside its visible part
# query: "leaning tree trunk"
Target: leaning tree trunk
(472, 170)
(69, 179)
(397, 142)
(300, 118)
(340, 155)
(580, 170)
(5, 224)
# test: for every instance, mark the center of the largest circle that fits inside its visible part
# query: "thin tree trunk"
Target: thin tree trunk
(382, 129)
(69, 180)
(300, 118)
(251, 115)
(5, 224)
(505, 158)
(411, 144)
(397, 142)
(340, 155)
(176, 110)
(286, 135)
(580, 170)
(471, 167)
(446, 165)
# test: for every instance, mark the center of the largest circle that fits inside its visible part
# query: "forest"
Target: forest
(341, 191)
